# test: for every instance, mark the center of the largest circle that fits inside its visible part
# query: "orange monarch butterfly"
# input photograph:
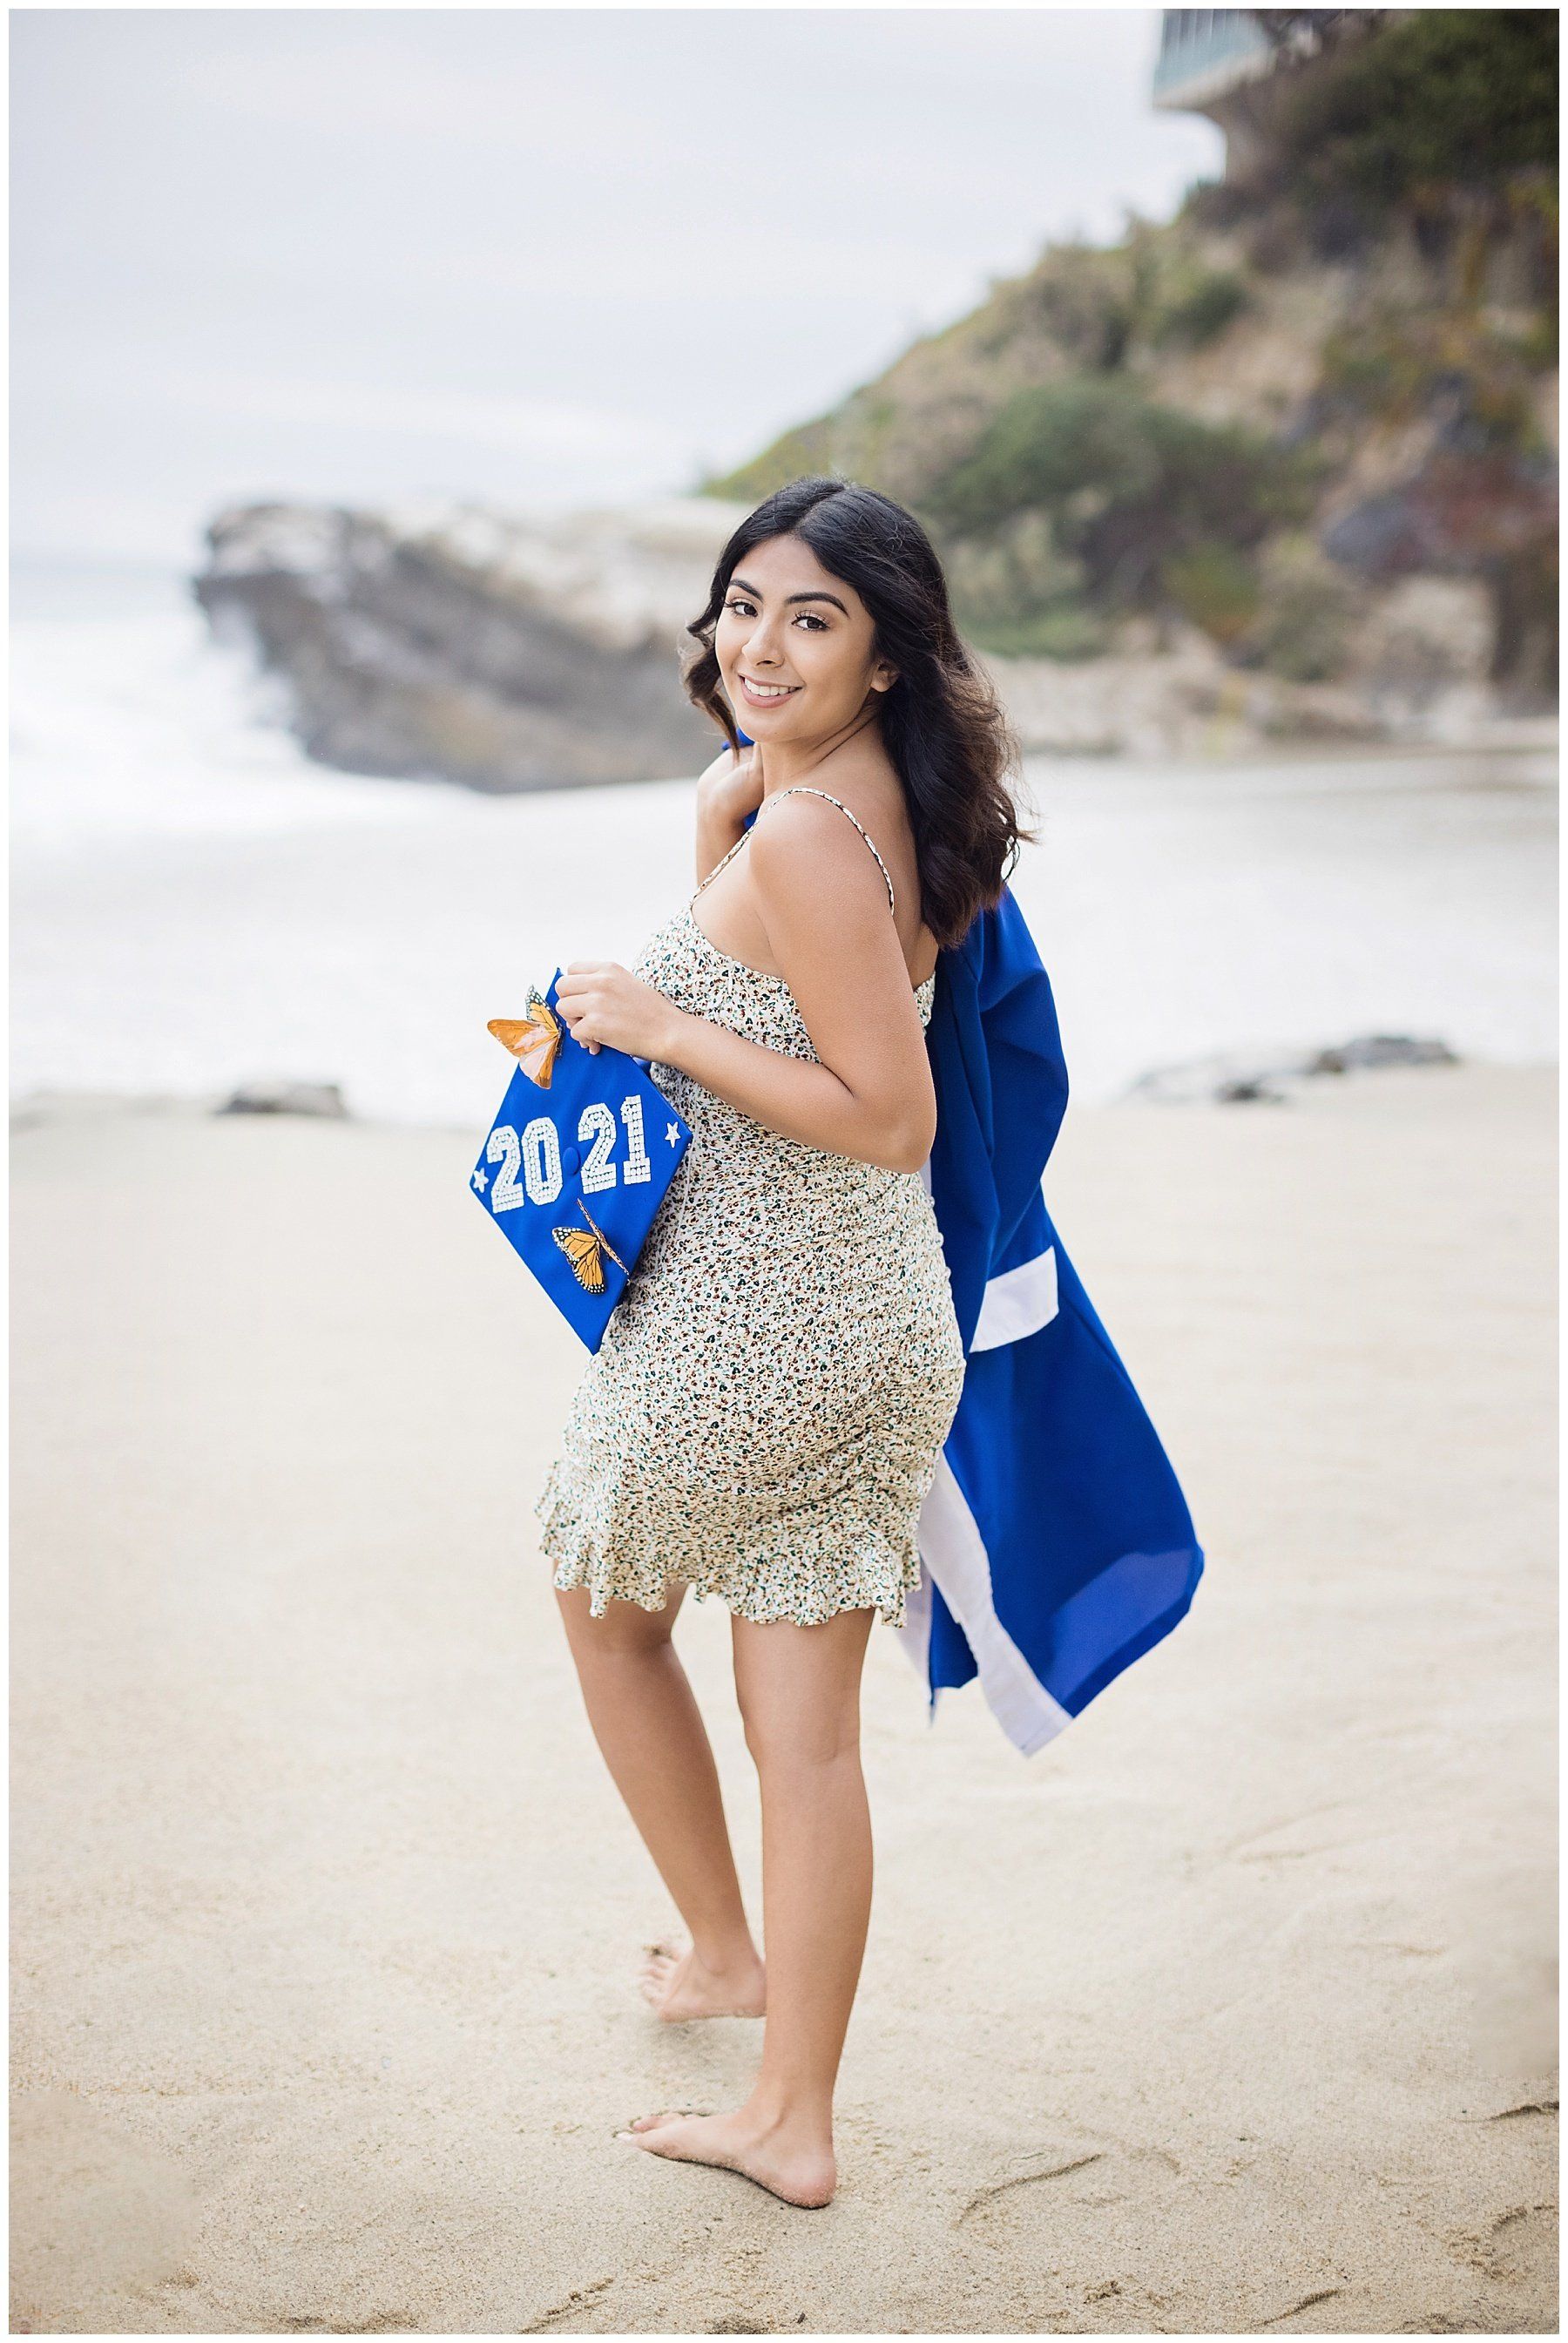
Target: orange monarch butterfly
(534, 1040)
(585, 1252)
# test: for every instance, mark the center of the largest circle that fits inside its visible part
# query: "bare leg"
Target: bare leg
(651, 1732)
(799, 1690)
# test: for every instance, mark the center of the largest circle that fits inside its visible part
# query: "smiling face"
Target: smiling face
(796, 646)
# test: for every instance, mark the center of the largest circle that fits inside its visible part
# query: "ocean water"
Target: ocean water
(196, 904)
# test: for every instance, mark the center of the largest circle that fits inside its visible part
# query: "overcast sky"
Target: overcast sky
(533, 257)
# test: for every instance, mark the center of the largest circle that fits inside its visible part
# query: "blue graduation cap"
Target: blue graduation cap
(577, 1162)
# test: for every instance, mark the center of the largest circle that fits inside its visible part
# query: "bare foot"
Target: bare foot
(785, 2159)
(680, 1986)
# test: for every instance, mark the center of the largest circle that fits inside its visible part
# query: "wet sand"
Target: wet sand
(1232, 2010)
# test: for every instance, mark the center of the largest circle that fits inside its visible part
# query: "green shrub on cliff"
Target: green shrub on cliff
(1199, 310)
(1213, 587)
(1435, 97)
(1135, 493)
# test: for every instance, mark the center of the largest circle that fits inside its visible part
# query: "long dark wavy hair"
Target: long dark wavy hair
(942, 724)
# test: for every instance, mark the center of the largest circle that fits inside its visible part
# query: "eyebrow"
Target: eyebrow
(793, 597)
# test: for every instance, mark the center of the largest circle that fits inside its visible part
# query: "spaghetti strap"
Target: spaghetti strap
(723, 861)
(798, 788)
(804, 788)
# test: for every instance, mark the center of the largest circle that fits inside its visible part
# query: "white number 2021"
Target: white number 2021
(538, 1153)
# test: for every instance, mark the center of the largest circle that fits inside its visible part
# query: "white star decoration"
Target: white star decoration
(480, 1182)
(672, 1133)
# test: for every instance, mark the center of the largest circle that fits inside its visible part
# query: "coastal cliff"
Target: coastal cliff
(1312, 420)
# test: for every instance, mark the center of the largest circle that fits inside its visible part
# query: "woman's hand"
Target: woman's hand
(731, 788)
(605, 1005)
(727, 792)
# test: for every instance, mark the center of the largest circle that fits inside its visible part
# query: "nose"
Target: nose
(760, 648)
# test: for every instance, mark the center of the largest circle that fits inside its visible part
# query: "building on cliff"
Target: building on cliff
(1230, 63)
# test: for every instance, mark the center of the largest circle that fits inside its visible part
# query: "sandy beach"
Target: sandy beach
(1228, 2011)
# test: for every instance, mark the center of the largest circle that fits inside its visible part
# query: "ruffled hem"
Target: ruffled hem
(849, 1565)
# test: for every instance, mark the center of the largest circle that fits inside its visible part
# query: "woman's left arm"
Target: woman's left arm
(825, 908)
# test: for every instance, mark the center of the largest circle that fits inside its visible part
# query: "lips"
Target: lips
(767, 695)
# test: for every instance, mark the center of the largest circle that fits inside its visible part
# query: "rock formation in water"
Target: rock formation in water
(449, 642)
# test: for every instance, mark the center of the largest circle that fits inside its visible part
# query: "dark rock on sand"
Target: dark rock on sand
(1383, 1049)
(1234, 1078)
(283, 1096)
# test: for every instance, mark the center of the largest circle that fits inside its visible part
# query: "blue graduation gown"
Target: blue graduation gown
(1056, 1544)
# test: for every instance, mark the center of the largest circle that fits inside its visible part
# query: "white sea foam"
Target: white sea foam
(195, 902)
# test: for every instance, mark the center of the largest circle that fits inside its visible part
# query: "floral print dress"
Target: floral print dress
(765, 1412)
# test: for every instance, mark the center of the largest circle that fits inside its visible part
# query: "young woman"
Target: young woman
(766, 1413)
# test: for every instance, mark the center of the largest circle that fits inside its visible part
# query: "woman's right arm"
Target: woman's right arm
(727, 792)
